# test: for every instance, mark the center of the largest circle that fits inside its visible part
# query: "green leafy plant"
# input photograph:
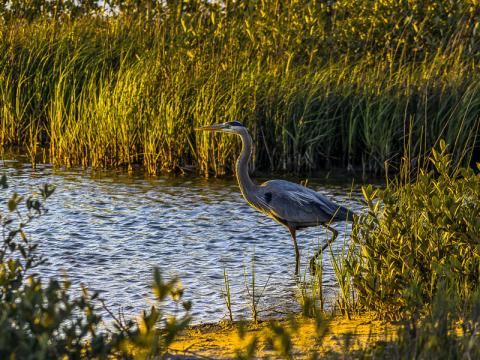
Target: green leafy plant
(416, 235)
(448, 331)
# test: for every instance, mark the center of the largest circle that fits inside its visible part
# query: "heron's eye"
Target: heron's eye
(236, 123)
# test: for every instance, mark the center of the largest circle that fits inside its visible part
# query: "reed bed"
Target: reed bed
(318, 84)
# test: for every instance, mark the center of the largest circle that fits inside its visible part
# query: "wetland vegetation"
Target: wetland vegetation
(319, 84)
(412, 258)
(370, 85)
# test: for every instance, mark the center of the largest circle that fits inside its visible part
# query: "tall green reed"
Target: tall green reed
(312, 297)
(129, 89)
(346, 300)
(253, 296)
(226, 294)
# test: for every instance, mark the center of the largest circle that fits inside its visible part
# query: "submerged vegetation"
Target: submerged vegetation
(318, 83)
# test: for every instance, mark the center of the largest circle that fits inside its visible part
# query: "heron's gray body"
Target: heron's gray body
(290, 204)
(297, 206)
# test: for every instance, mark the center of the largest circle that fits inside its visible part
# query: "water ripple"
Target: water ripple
(108, 232)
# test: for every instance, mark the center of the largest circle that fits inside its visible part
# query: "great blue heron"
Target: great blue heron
(290, 204)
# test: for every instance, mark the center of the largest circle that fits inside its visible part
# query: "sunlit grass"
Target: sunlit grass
(120, 91)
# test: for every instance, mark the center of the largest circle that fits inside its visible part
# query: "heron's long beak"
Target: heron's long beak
(214, 127)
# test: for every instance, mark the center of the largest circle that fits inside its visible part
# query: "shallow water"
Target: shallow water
(108, 231)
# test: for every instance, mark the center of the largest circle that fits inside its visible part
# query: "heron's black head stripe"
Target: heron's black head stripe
(236, 123)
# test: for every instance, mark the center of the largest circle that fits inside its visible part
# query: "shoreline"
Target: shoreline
(224, 340)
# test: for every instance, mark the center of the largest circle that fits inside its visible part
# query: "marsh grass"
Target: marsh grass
(253, 296)
(312, 297)
(346, 300)
(226, 294)
(128, 89)
(317, 294)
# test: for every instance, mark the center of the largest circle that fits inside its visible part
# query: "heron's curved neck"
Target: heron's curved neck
(247, 186)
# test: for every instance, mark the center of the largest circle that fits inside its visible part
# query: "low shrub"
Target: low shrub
(416, 235)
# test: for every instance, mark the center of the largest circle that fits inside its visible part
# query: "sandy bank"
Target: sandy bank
(223, 340)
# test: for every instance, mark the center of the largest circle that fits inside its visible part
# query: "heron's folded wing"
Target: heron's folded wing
(296, 204)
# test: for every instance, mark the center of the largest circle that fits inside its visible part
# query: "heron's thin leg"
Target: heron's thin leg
(297, 253)
(334, 233)
(317, 254)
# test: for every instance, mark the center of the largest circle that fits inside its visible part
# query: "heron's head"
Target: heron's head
(235, 127)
